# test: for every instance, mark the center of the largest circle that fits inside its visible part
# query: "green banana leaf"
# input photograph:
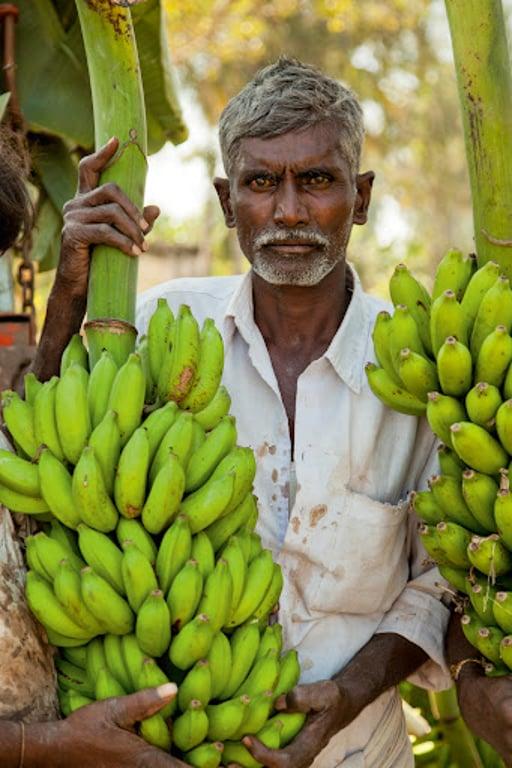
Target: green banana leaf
(55, 98)
(4, 100)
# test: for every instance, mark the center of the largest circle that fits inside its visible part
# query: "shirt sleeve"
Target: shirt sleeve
(418, 613)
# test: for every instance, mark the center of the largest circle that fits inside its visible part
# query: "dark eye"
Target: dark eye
(262, 182)
(317, 179)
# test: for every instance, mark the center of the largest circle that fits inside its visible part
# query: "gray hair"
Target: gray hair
(291, 96)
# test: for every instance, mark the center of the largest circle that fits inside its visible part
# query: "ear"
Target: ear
(224, 195)
(364, 183)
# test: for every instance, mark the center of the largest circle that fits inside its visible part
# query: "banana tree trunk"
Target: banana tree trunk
(118, 104)
(445, 710)
(484, 81)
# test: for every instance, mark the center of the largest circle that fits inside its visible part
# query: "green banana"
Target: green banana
(45, 424)
(133, 659)
(259, 578)
(471, 624)
(241, 462)
(262, 677)
(198, 437)
(202, 552)
(90, 495)
(455, 368)
(192, 643)
(488, 642)
(151, 676)
(481, 596)
(95, 658)
(271, 640)
(67, 589)
(429, 537)
(406, 289)
(219, 442)
(403, 334)
(271, 599)
(50, 553)
(100, 383)
(184, 595)
(107, 687)
(100, 552)
(418, 374)
(154, 730)
(289, 674)
(18, 416)
(454, 576)
(392, 394)
(174, 552)
(454, 540)
(502, 611)
(453, 272)
(482, 403)
(205, 755)
(502, 514)
(105, 604)
(225, 719)
(72, 412)
(480, 493)
(190, 728)
(443, 411)
(208, 503)
(133, 530)
(489, 555)
(78, 700)
(196, 685)
(234, 556)
(256, 546)
(19, 475)
(64, 536)
(159, 329)
(219, 659)
(127, 396)
(217, 595)
(495, 309)
(507, 384)
(209, 369)
(494, 357)
(218, 407)
(256, 715)
(131, 475)
(449, 462)
(105, 440)
(483, 279)
(447, 319)
(426, 507)
(31, 386)
(48, 610)
(158, 423)
(220, 530)
(153, 625)
(74, 353)
(72, 678)
(33, 560)
(179, 366)
(142, 350)
(163, 501)
(504, 424)
(506, 651)
(245, 642)
(477, 448)
(137, 574)
(18, 502)
(113, 649)
(177, 440)
(292, 724)
(63, 641)
(448, 495)
(381, 336)
(77, 656)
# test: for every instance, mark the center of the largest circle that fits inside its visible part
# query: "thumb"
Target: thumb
(128, 710)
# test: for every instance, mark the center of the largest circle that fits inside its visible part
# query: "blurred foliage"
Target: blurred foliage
(396, 55)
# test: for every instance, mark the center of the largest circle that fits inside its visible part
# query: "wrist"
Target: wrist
(43, 745)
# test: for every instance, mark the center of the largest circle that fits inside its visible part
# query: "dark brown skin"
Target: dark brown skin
(300, 182)
(100, 735)
(485, 702)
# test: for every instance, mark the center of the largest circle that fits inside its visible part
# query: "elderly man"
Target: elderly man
(334, 465)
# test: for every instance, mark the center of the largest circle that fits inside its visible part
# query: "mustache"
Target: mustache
(307, 236)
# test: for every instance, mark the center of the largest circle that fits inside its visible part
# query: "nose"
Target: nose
(289, 210)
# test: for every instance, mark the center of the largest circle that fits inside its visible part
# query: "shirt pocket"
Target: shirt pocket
(354, 559)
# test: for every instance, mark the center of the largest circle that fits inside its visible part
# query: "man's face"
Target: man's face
(293, 201)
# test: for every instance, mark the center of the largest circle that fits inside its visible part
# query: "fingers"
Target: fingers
(151, 214)
(101, 234)
(127, 710)
(113, 214)
(270, 758)
(105, 195)
(90, 167)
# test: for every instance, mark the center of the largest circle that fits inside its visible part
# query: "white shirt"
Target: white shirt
(347, 542)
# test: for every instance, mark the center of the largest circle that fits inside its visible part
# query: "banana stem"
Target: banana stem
(445, 709)
(118, 103)
(485, 90)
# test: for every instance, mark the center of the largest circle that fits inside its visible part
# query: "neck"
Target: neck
(288, 315)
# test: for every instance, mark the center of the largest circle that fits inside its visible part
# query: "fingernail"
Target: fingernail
(136, 250)
(143, 225)
(145, 246)
(166, 690)
(111, 140)
(247, 741)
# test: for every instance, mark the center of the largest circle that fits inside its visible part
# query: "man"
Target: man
(30, 734)
(334, 465)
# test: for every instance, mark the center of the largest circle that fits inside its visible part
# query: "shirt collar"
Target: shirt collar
(346, 350)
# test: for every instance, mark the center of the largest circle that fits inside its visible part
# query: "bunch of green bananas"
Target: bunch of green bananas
(449, 356)
(147, 567)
